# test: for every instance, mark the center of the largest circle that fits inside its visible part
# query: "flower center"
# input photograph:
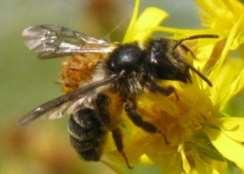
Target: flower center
(178, 119)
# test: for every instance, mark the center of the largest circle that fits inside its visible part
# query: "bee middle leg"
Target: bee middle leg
(137, 119)
(102, 103)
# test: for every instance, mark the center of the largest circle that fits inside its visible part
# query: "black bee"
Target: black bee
(127, 70)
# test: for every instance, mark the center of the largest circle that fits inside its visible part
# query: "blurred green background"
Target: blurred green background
(26, 81)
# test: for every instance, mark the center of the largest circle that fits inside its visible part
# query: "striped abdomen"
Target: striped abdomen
(87, 133)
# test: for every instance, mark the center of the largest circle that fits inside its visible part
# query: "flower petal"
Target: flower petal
(220, 15)
(228, 46)
(143, 27)
(185, 163)
(203, 146)
(228, 82)
(229, 148)
(227, 19)
(195, 163)
(133, 19)
(233, 127)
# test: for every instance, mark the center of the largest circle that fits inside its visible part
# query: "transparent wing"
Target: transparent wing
(61, 104)
(56, 41)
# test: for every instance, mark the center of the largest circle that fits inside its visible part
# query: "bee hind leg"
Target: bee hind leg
(102, 103)
(118, 140)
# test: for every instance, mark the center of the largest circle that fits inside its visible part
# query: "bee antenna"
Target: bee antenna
(201, 75)
(199, 36)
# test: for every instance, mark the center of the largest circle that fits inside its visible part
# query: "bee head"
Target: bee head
(163, 62)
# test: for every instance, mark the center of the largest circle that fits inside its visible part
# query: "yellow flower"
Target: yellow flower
(224, 16)
(198, 136)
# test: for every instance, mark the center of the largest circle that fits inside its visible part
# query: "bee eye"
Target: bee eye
(127, 57)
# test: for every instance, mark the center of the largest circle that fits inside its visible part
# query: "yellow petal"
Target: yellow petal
(195, 163)
(228, 46)
(143, 27)
(211, 54)
(233, 127)
(229, 148)
(228, 82)
(220, 15)
(227, 19)
(133, 20)
(240, 33)
(185, 163)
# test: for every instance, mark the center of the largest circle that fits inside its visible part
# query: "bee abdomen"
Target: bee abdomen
(87, 134)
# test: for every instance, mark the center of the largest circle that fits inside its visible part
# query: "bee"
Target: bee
(121, 72)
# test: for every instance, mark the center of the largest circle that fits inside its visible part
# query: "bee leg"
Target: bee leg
(102, 103)
(118, 140)
(130, 108)
(136, 118)
(153, 86)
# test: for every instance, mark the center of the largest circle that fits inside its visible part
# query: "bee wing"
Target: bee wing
(57, 41)
(60, 104)
(70, 107)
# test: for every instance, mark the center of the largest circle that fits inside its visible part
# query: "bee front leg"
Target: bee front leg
(154, 87)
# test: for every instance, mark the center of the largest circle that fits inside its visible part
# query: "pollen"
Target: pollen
(78, 69)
